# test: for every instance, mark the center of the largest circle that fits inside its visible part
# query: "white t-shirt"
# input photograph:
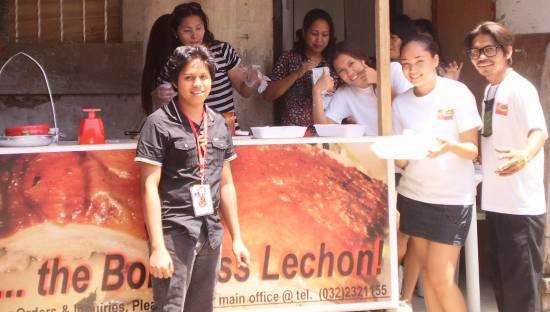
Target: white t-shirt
(361, 104)
(399, 83)
(445, 112)
(516, 111)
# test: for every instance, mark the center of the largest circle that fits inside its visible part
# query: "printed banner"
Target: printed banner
(314, 217)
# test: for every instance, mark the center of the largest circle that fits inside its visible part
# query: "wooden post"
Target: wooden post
(382, 28)
(382, 21)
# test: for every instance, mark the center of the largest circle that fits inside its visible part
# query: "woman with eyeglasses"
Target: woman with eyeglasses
(188, 25)
(513, 136)
(291, 79)
(436, 194)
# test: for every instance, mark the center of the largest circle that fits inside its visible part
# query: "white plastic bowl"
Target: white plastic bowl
(335, 130)
(26, 140)
(284, 132)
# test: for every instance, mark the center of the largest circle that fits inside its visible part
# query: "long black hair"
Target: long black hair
(310, 17)
(191, 9)
(160, 46)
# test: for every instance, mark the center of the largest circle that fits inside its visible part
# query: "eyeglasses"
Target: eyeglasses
(489, 101)
(488, 51)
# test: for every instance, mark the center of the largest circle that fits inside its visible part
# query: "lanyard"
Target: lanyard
(489, 102)
(200, 151)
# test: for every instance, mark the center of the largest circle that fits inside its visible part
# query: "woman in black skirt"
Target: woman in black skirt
(436, 194)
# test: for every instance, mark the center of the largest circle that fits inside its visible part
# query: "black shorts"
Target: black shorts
(446, 224)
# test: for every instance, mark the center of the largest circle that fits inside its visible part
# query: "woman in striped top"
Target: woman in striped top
(189, 25)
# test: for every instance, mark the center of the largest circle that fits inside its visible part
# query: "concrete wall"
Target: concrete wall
(91, 75)
(248, 26)
(524, 16)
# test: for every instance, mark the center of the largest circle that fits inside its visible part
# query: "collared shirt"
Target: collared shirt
(167, 140)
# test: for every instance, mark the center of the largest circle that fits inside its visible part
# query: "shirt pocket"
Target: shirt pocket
(218, 150)
(186, 152)
(445, 124)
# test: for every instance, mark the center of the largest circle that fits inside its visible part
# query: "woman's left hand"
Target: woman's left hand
(515, 160)
(324, 84)
(441, 148)
(251, 75)
(242, 256)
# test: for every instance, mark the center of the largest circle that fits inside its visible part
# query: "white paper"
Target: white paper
(409, 146)
(316, 73)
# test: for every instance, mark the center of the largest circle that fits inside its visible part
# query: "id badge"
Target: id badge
(202, 200)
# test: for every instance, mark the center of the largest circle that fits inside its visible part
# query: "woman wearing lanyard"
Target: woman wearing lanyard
(436, 194)
(514, 132)
(184, 152)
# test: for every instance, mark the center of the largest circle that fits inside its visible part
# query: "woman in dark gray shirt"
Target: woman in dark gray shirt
(184, 152)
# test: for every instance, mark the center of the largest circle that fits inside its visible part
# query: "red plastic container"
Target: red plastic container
(38, 129)
(91, 128)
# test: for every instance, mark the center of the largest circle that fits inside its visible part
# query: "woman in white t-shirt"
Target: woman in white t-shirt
(356, 99)
(436, 194)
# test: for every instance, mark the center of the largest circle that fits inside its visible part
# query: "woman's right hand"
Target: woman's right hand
(160, 263)
(163, 94)
(324, 84)
(305, 67)
(372, 76)
(452, 70)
